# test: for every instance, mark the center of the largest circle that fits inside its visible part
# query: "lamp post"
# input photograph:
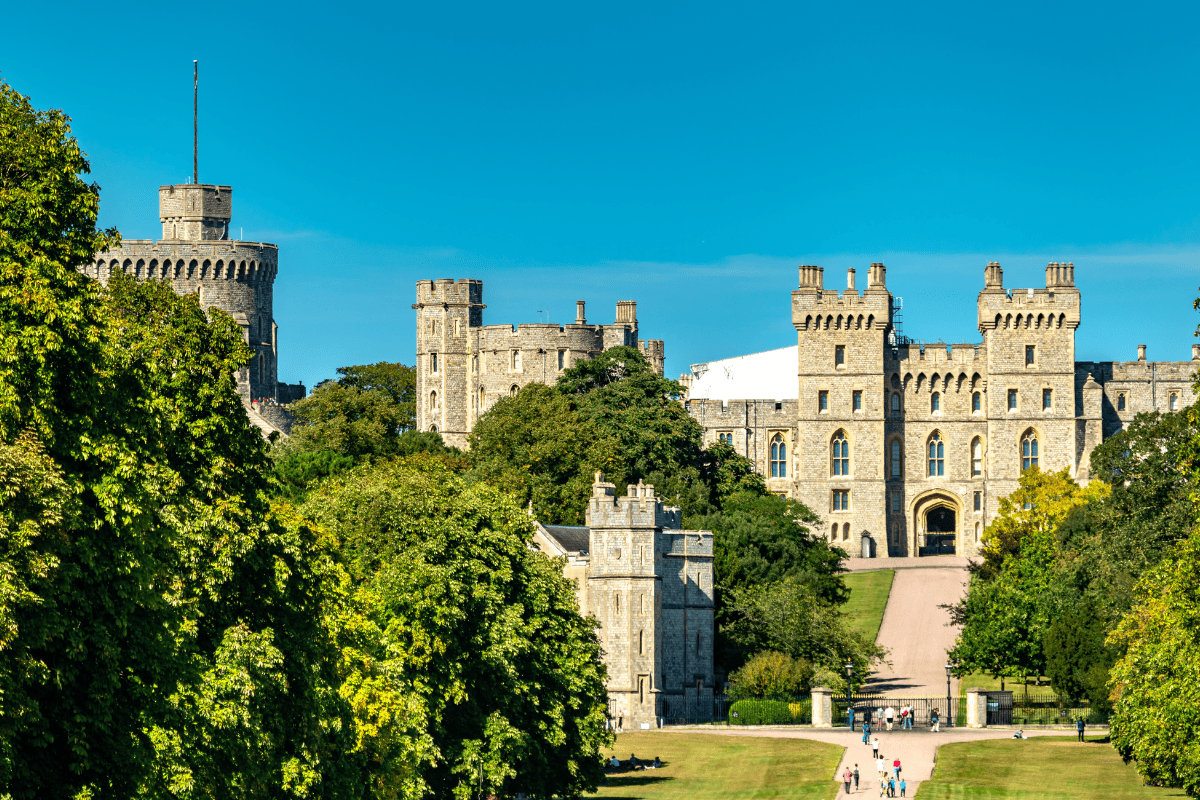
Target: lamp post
(849, 699)
(949, 668)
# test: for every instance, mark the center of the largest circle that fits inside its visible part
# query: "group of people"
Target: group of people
(888, 784)
(889, 716)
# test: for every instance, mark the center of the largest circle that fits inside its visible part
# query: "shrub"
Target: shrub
(770, 712)
(770, 674)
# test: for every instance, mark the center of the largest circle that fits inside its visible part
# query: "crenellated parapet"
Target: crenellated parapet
(638, 508)
(815, 308)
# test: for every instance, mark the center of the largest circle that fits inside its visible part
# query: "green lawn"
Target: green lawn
(698, 766)
(1010, 684)
(1049, 767)
(868, 596)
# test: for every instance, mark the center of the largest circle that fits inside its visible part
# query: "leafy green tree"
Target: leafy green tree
(483, 629)
(163, 633)
(399, 381)
(1078, 659)
(347, 420)
(770, 674)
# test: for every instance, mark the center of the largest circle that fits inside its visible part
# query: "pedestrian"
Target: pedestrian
(903, 786)
(891, 788)
(856, 777)
(933, 718)
(908, 717)
(846, 778)
(875, 747)
(1079, 727)
(881, 768)
(891, 715)
(883, 788)
(896, 767)
(850, 717)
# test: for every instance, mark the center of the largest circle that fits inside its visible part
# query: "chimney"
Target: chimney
(877, 276)
(993, 276)
(812, 277)
(1060, 274)
(850, 279)
(1196, 352)
(627, 312)
(1141, 352)
(580, 319)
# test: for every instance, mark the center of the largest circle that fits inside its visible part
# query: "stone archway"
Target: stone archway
(936, 524)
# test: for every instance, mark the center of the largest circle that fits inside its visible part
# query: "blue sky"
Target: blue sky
(687, 156)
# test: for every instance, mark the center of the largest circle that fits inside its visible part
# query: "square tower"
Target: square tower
(195, 212)
(449, 313)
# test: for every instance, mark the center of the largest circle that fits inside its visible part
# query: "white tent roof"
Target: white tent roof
(759, 376)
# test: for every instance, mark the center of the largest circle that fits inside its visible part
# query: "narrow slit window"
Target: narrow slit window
(976, 458)
(976, 402)
(1047, 398)
(935, 402)
(1012, 399)
(823, 400)
(897, 462)
(857, 400)
(1029, 354)
(839, 355)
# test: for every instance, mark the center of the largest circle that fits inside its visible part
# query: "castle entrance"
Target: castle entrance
(935, 517)
(940, 529)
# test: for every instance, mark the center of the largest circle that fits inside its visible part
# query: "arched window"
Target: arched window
(512, 390)
(897, 459)
(1120, 402)
(935, 402)
(976, 457)
(895, 403)
(433, 406)
(1174, 406)
(778, 456)
(1029, 450)
(640, 644)
(840, 454)
(896, 533)
(937, 455)
(726, 438)
(433, 362)
(481, 399)
(433, 428)
(976, 402)
(846, 532)
(976, 533)
(262, 368)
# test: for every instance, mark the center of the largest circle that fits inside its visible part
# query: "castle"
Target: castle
(903, 448)
(650, 585)
(197, 256)
(464, 366)
(906, 448)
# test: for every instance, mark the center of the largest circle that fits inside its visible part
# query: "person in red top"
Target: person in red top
(847, 776)
(896, 768)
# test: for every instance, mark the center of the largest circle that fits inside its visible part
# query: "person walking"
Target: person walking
(903, 786)
(846, 778)
(881, 768)
(866, 729)
(875, 747)
(909, 713)
(1079, 727)
(896, 768)
(891, 788)
(933, 718)
(856, 777)
(891, 715)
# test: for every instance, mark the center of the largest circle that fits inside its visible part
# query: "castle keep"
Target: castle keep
(464, 366)
(196, 255)
(905, 448)
(650, 585)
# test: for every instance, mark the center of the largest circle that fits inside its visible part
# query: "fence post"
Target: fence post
(822, 707)
(977, 708)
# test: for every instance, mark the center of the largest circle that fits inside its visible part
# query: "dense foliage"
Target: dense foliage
(481, 628)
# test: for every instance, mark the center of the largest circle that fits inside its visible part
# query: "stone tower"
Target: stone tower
(197, 257)
(651, 586)
(449, 313)
(838, 463)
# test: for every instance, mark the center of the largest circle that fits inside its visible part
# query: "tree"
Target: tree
(770, 674)
(1077, 658)
(163, 632)
(482, 628)
(399, 381)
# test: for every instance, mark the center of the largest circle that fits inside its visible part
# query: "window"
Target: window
(1047, 397)
(457, 326)
(475, 364)
(778, 456)
(841, 454)
(1174, 404)
(727, 438)
(976, 533)
(976, 458)
(562, 357)
(895, 403)
(897, 461)
(937, 455)
(839, 355)
(640, 646)
(858, 400)
(512, 390)
(1029, 355)
(433, 362)
(896, 533)
(481, 397)
(978, 501)
(433, 406)
(1120, 402)
(515, 360)
(1029, 450)
(1012, 399)
(823, 401)
(976, 402)
(895, 501)
(935, 402)
(841, 499)
(846, 532)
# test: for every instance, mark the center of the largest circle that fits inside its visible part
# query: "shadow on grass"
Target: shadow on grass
(632, 782)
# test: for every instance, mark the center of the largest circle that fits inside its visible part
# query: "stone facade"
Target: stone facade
(464, 366)
(197, 257)
(906, 448)
(651, 587)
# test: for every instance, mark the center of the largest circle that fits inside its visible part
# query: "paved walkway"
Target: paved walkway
(916, 749)
(929, 562)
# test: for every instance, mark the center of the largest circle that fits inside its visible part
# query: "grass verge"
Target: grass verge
(1041, 768)
(868, 597)
(699, 766)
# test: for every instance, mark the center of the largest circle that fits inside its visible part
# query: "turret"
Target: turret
(195, 212)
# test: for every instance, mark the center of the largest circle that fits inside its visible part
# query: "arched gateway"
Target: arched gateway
(936, 516)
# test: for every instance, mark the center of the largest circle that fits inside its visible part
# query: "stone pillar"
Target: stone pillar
(976, 708)
(822, 707)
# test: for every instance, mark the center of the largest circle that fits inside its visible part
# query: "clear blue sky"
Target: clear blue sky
(687, 156)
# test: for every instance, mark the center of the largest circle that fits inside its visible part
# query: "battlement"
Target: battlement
(449, 291)
(639, 508)
(242, 262)
(938, 354)
(195, 212)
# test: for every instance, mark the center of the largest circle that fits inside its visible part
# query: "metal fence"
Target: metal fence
(1041, 708)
